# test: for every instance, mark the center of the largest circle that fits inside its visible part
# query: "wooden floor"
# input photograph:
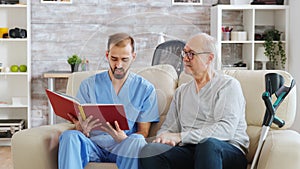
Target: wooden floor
(5, 158)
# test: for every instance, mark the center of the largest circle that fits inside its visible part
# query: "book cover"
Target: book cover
(63, 104)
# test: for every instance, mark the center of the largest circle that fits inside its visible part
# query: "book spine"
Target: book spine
(81, 112)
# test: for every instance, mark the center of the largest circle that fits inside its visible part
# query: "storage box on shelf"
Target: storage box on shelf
(15, 50)
(250, 20)
(9, 127)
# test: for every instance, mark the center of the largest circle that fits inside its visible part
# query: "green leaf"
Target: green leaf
(74, 59)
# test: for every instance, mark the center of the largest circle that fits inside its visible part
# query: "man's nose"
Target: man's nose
(119, 64)
(185, 58)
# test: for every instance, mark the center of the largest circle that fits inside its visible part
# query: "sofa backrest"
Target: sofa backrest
(163, 77)
(75, 79)
(165, 80)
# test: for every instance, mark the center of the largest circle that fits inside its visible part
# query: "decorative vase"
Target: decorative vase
(74, 67)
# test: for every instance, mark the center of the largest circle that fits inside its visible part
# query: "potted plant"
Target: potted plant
(74, 61)
(274, 50)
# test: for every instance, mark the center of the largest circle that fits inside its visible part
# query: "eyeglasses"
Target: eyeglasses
(191, 55)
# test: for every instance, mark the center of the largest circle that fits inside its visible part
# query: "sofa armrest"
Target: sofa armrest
(280, 150)
(37, 148)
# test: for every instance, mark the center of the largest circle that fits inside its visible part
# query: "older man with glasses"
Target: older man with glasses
(205, 127)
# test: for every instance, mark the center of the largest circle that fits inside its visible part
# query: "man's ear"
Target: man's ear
(106, 54)
(211, 57)
(133, 56)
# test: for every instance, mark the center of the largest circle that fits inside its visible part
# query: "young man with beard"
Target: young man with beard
(205, 127)
(116, 86)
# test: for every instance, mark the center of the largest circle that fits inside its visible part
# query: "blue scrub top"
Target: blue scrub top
(137, 95)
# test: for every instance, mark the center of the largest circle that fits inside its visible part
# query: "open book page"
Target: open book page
(74, 99)
(107, 113)
(63, 104)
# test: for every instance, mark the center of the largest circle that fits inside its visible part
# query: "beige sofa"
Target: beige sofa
(36, 148)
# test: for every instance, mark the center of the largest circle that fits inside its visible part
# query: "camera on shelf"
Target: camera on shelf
(259, 36)
(17, 33)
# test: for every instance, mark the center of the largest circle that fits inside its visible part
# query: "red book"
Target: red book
(63, 104)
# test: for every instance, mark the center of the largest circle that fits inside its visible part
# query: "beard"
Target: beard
(118, 73)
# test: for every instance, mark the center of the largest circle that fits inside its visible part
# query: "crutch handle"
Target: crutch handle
(280, 123)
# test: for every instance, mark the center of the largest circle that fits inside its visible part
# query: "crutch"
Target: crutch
(274, 84)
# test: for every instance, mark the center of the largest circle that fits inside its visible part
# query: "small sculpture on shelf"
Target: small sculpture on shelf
(84, 64)
(74, 62)
(261, 57)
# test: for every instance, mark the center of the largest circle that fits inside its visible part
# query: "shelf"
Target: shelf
(243, 7)
(13, 6)
(12, 106)
(13, 73)
(258, 42)
(13, 40)
(236, 42)
(15, 99)
(264, 42)
(253, 19)
(55, 2)
(5, 139)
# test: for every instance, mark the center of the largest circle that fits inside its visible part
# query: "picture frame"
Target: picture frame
(187, 2)
(57, 1)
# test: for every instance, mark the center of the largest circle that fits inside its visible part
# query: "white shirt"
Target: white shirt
(217, 111)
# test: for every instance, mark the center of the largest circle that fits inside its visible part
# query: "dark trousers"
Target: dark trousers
(209, 154)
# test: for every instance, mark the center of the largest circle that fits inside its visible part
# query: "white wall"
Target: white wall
(294, 58)
(59, 31)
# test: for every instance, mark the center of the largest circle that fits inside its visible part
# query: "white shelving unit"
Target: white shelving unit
(253, 17)
(15, 51)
